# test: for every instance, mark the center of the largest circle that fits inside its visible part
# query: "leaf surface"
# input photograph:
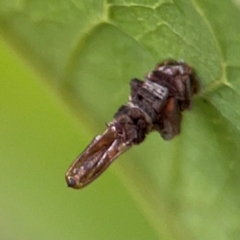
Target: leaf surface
(87, 51)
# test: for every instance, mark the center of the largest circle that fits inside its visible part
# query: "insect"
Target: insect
(155, 104)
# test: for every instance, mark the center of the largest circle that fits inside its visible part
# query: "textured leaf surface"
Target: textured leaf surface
(87, 51)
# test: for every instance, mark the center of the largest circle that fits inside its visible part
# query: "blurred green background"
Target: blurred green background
(65, 68)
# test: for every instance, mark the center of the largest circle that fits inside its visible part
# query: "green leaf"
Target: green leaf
(80, 55)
